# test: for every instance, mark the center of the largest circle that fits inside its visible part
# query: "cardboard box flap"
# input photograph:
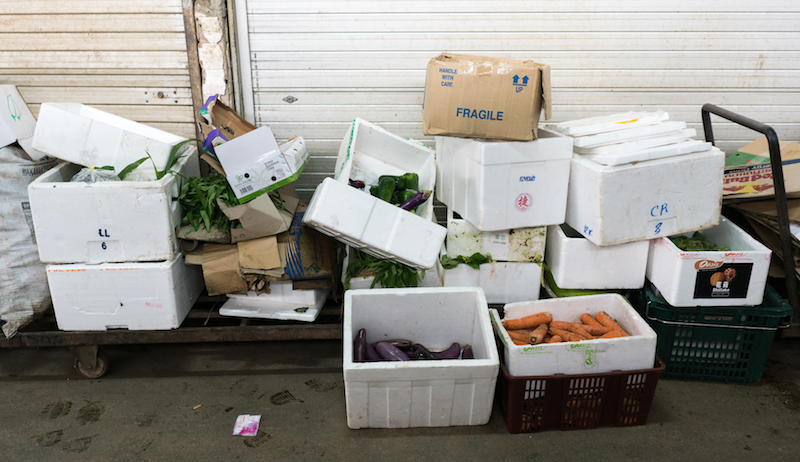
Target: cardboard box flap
(218, 115)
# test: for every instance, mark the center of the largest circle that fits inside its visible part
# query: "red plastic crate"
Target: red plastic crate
(575, 402)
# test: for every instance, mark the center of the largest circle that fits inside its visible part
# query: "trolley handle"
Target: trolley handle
(778, 182)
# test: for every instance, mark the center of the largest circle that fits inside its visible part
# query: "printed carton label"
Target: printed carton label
(722, 280)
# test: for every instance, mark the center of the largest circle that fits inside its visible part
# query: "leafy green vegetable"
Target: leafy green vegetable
(198, 196)
(697, 243)
(171, 159)
(474, 260)
(387, 273)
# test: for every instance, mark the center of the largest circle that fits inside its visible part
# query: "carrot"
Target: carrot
(606, 320)
(611, 334)
(567, 335)
(519, 343)
(517, 336)
(572, 327)
(587, 318)
(596, 330)
(528, 322)
(538, 334)
(555, 339)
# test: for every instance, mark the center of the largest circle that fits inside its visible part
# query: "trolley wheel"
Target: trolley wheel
(100, 369)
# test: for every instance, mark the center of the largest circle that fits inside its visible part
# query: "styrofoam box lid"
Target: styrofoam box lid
(622, 121)
(630, 134)
(657, 152)
(435, 317)
(281, 303)
(590, 163)
(549, 146)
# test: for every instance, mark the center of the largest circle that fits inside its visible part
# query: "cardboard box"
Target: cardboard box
(479, 96)
(17, 123)
(516, 245)
(259, 217)
(717, 278)
(282, 302)
(594, 356)
(112, 221)
(395, 394)
(611, 205)
(748, 172)
(577, 263)
(501, 185)
(254, 163)
(93, 138)
(133, 296)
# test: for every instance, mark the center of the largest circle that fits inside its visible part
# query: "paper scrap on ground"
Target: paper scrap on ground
(246, 425)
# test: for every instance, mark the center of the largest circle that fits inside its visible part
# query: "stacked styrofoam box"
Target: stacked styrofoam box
(637, 177)
(113, 247)
(283, 302)
(392, 394)
(431, 277)
(365, 222)
(576, 263)
(711, 278)
(595, 356)
(516, 267)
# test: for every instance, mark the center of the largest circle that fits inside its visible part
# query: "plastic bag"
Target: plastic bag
(94, 175)
(23, 278)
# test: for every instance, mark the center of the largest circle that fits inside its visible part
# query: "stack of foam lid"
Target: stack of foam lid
(631, 137)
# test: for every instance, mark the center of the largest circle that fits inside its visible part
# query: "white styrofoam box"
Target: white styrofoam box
(612, 205)
(93, 138)
(369, 151)
(401, 394)
(718, 278)
(609, 123)
(283, 302)
(586, 357)
(657, 152)
(376, 227)
(522, 244)
(577, 263)
(500, 185)
(134, 296)
(634, 135)
(113, 221)
(431, 278)
(17, 122)
(501, 281)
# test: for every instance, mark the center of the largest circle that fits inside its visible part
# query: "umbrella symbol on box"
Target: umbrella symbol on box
(13, 109)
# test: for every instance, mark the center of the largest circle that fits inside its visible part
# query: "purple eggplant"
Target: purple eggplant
(410, 354)
(360, 346)
(371, 354)
(402, 344)
(358, 184)
(416, 200)
(390, 352)
(467, 353)
(420, 352)
(451, 352)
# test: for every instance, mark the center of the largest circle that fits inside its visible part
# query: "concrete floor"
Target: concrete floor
(179, 402)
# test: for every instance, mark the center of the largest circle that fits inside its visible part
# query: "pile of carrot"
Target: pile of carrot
(541, 328)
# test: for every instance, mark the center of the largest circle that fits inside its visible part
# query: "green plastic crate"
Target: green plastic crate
(724, 344)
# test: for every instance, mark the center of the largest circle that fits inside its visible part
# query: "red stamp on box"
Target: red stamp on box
(523, 202)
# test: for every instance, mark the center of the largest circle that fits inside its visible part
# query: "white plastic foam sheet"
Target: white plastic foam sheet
(17, 122)
(134, 296)
(431, 277)
(609, 123)
(283, 302)
(516, 245)
(369, 151)
(611, 205)
(638, 351)
(94, 138)
(577, 263)
(399, 394)
(658, 152)
(114, 221)
(376, 227)
(728, 278)
(502, 282)
(663, 129)
(501, 185)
